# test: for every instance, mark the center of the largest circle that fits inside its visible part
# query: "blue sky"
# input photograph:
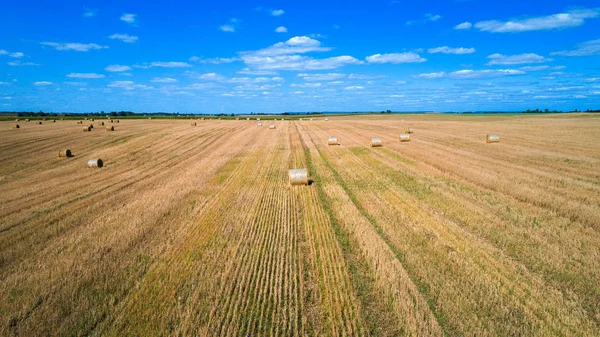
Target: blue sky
(267, 56)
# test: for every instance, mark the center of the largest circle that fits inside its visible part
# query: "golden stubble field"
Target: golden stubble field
(194, 230)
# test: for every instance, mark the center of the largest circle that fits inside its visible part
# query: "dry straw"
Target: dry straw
(376, 142)
(194, 124)
(16, 126)
(259, 124)
(110, 128)
(100, 123)
(492, 139)
(272, 126)
(298, 176)
(95, 163)
(79, 122)
(408, 130)
(65, 153)
(87, 128)
(326, 119)
(405, 137)
(333, 141)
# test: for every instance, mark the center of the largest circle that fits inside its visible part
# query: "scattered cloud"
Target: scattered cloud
(3, 52)
(41, 83)
(16, 55)
(248, 71)
(588, 48)
(281, 29)
(85, 75)
(230, 27)
(277, 12)
(499, 59)
(354, 87)
(216, 60)
(572, 18)
(534, 68)
(115, 68)
(19, 63)
(321, 77)
(472, 74)
(306, 85)
(396, 58)
(128, 85)
(89, 12)
(170, 64)
(426, 18)
(295, 45)
(364, 77)
(129, 18)
(83, 47)
(298, 62)
(124, 37)
(463, 26)
(163, 80)
(448, 50)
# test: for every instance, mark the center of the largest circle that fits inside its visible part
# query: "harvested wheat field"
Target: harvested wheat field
(198, 232)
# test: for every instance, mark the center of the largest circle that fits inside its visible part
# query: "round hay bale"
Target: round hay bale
(45, 119)
(202, 118)
(91, 126)
(40, 122)
(332, 141)
(27, 120)
(298, 177)
(54, 121)
(326, 119)
(247, 119)
(86, 129)
(86, 119)
(100, 123)
(301, 119)
(117, 121)
(91, 119)
(492, 139)
(16, 120)
(95, 163)
(272, 126)
(237, 119)
(259, 124)
(311, 119)
(111, 121)
(258, 119)
(65, 153)
(405, 137)
(110, 128)
(193, 124)
(408, 130)
(376, 142)
(16, 126)
(79, 122)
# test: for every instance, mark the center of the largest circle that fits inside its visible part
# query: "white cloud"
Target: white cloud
(499, 59)
(128, 85)
(534, 68)
(124, 37)
(281, 29)
(89, 12)
(163, 80)
(40, 83)
(573, 18)
(295, 45)
(19, 63)
(298, 62)
(321, 77)
(448, 50)
(115, 68)
(298, 92)
(229, 27)
(471, 74)
(3, 52)
(129, 18)
(83, 47)
(85, 75)
(248, 71)
(170, 64)
(211, 76)
(354, 87)
(277, 12)
(583, 49)
(216, 60)
(464, 26)
(427, 18)
(431, 75)
(396, 58)
(306, 85)
(365, 77)
(400, 82)
(16, 55)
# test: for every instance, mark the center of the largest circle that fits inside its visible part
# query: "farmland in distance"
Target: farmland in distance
(195, 230)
